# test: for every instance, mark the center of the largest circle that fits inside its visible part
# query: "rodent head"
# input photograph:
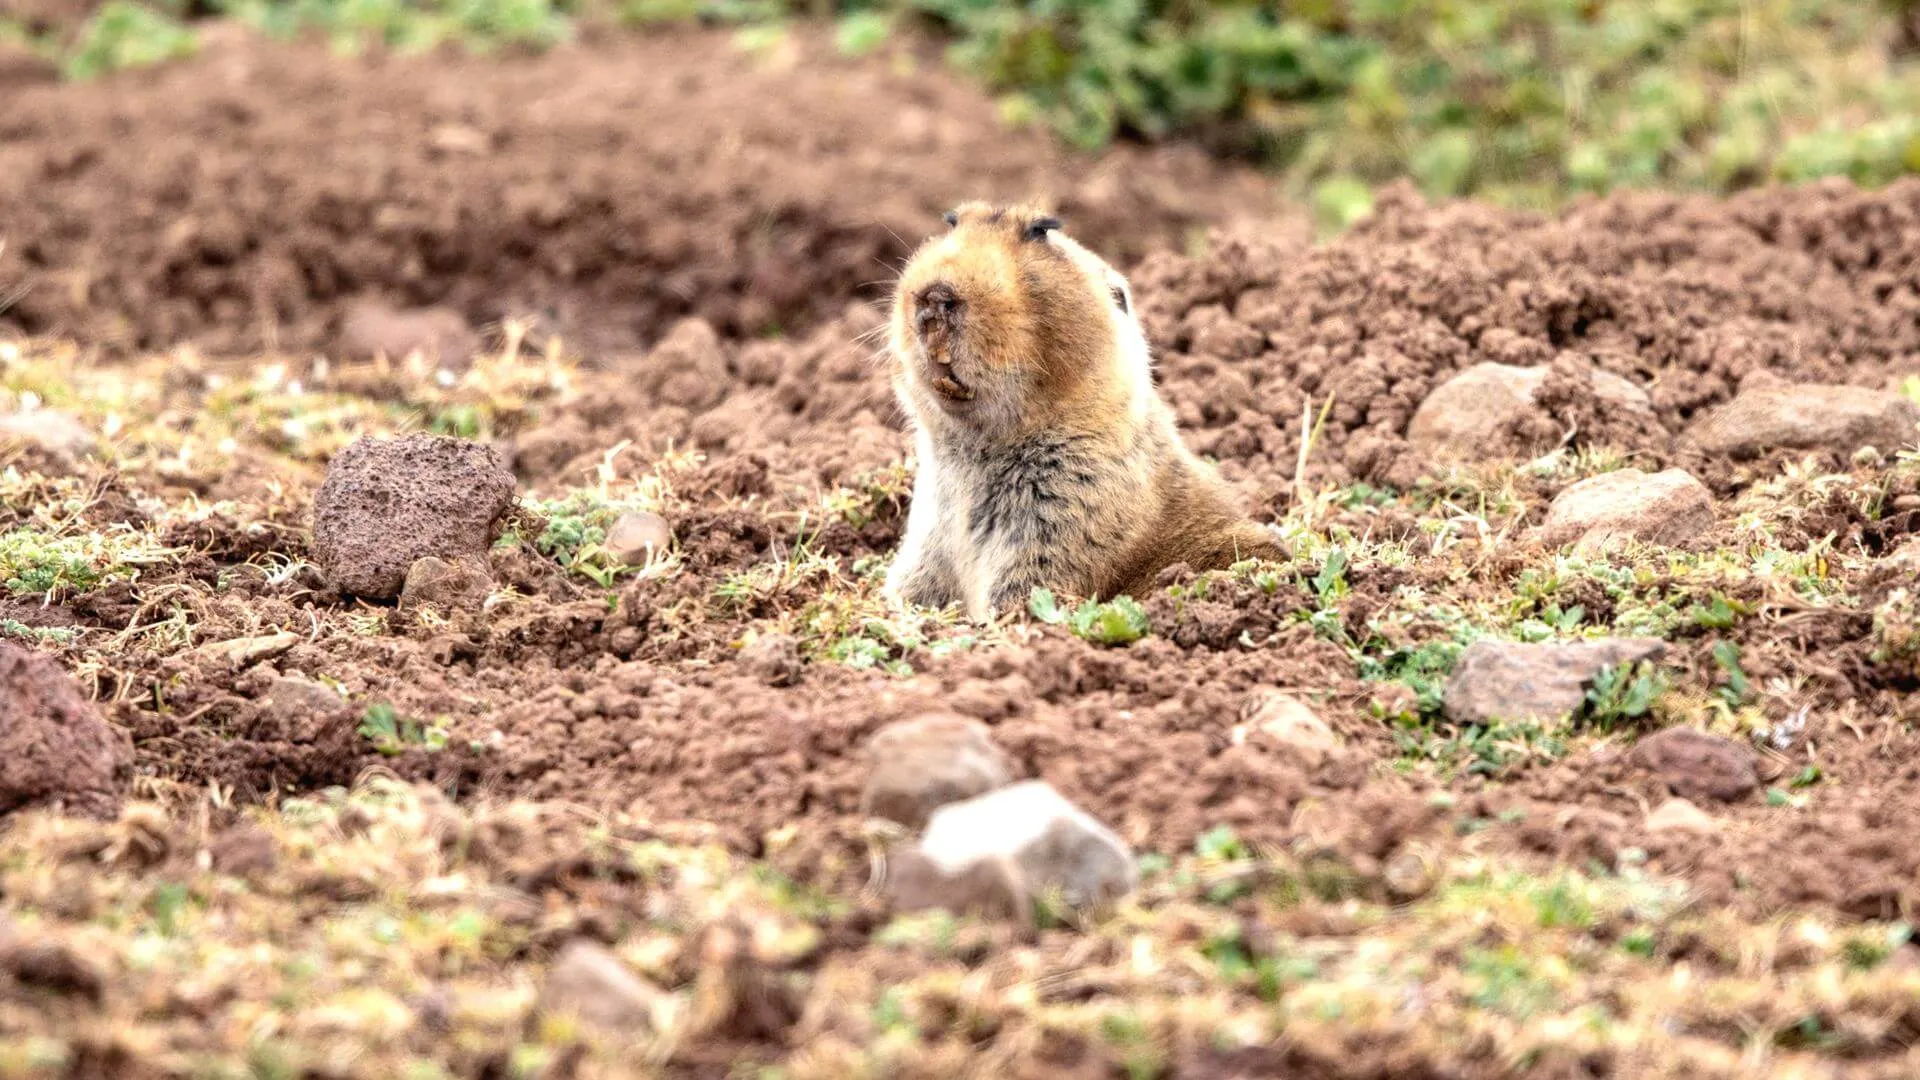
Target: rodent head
(1005, 324)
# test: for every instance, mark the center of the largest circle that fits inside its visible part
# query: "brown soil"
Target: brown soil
(629, 184)
(1685, 297)
(246, 199)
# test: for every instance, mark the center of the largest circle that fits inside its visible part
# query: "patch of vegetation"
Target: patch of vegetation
(1120, 621)
(1621, 696)
(34, 562)
(391, 734)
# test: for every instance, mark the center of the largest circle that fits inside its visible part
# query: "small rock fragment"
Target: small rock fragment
(438, 334)
(1511, 680)
(773, 659)
(247, 651)
(1050, 842)
(445, 585)
(989, 888)
(919, 765)
(1808, 417)
(635, 537)
(1287, 724)
(55, 750)
(297, 696)
(590, 983)
(55, 434)
(1409, 875)
(1697, 766)
(1480, 408)
(388, 502)
(1666, 508)
(1680, 816)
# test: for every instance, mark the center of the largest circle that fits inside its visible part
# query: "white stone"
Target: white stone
(1051, 842)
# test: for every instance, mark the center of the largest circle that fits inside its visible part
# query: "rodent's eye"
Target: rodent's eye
(1120, 298)
(1040, 227)
(951, 217)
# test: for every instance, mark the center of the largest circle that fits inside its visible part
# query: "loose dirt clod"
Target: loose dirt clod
(388, 502)
(1697, 766)
(922, 764)
(54, 749)
(1510, 680)
(1052, 843)
(1667, 508)
(1492, 408)
(774, 659)
(1808, 417)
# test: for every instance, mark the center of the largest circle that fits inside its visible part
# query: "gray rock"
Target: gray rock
(591, 984)
(1697, 766)
(1509, 680)
(1807, 417)
(1664, 508)
(1284, 723)
(293, 694)
(1051, 843)
(917, 766)
(247, 651)
(990, 888)
(445, 585)
(1681, 816)
(636, 536)
(1472, 413)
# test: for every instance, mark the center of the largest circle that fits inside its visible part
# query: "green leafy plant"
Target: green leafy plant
(390, 733)
(1622, 694)
(125, 35)
(1120, 621)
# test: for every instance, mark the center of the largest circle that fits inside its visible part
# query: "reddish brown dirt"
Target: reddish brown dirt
(247, 198)
(742, 218)
(1685, 297)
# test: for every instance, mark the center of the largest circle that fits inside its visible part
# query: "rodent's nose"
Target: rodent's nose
(934, 305)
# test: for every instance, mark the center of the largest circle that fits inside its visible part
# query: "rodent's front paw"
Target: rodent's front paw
(917, 587)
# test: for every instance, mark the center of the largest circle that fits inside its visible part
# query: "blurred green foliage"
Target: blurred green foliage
(1522, 102)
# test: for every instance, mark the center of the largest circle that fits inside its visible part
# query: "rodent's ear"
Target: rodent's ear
(1040, 227)
(951, 217)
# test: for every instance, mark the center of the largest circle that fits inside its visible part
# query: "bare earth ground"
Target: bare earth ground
(605, 750)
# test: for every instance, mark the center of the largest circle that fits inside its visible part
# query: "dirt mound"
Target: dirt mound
(54, 749)
(1685, 297)
(247, 198)
(388, 502)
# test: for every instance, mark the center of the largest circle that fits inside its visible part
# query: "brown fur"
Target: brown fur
(1046, 456)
